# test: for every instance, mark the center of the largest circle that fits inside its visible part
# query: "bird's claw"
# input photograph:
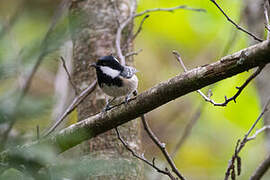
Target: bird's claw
(127, 98)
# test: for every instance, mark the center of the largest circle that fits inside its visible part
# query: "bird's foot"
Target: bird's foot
(107, 108)
(135, 92)
(127, 98)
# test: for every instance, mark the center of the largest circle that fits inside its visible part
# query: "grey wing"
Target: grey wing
(128, 72)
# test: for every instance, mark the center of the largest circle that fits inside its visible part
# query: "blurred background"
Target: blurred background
(200, 38)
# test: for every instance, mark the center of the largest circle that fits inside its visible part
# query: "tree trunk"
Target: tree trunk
(95, 37)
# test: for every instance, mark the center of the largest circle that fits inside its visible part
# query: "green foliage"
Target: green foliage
(200, 38)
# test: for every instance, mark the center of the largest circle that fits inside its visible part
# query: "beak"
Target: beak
(135, 70)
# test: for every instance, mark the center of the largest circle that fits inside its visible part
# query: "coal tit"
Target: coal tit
(115, 79)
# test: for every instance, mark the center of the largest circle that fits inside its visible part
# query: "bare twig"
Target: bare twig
(241, 143)
(156, 96)
(69, 76)
(188, 129)
(258, 132)
(236, 25)
(76, 101)
(169, 10)
(266, 5)
(142, 158)
(140, 27)
(233, 36)
(133, 15)
(162, 147)
(119, 32)
(262, 169)
(233, 98)
(134, 53)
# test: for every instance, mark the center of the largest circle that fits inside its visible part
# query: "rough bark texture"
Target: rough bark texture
(160, 94)
(255, 20)
(164, 92)
(94, 38)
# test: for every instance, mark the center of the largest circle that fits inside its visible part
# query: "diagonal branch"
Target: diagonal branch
(240, 89)
(261, 170)
(68, 74)
(140, 27)
(241, 144)
(142, 158)
(157, 96)
(132, 15)
(191, 123)
(76, 101)
(162, 148)
(236, 25)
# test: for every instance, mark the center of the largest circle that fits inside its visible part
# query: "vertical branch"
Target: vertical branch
(266, 6)
(119, 32)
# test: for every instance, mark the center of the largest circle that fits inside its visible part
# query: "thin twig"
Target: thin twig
(69, 76)
(169, 10)
(233, 36)
(241, 143)
(140, 27)
(76, 101)
(142, 158)
(258, 132)
(162, 147)
(133, 15)
(236, 25)
(134, 53)
(188, 129)
(233, 98)
(266, 5)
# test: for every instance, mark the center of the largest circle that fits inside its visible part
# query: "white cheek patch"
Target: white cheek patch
(109, 71)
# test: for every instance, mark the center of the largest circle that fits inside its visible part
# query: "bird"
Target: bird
(114, 79)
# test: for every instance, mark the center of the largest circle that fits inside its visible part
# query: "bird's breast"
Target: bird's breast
(127, 87)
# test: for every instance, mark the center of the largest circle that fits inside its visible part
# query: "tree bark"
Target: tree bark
(158, 95)
(95, 37)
